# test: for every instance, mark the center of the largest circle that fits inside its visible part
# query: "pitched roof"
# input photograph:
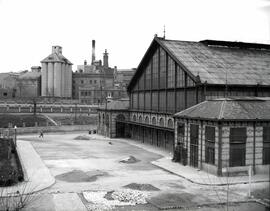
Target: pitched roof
(229, 109)
(30, 75)
(55, 57)
(216, 62)
(122, 104)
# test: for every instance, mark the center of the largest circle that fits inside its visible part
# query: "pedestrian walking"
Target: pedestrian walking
(41, 134)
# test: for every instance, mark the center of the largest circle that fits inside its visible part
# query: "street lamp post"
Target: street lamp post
(15, 130)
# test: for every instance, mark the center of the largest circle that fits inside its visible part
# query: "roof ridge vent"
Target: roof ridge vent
(231, 44)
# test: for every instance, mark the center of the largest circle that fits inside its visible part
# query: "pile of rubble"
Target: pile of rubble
(98, 200)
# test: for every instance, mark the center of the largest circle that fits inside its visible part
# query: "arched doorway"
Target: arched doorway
(120, 126)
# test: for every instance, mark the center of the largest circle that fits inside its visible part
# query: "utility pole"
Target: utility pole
(35, 107)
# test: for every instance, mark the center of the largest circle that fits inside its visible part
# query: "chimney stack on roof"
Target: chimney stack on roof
(57, 49)
(93, 51)
(106, 59)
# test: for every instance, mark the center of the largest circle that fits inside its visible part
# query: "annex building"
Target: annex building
(176, 75)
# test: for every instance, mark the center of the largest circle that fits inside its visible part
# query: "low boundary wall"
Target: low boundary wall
(7, 132)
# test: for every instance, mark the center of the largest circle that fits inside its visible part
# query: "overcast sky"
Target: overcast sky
(124, 27)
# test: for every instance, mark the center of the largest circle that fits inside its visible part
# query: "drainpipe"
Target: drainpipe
(254, 146)
(187, 145)
(219, 171)
(201, 143)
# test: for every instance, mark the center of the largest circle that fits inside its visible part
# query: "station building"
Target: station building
(175, 75)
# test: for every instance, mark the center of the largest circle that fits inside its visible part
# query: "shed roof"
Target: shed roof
(220, 62)
(216, 62)
(229, 109)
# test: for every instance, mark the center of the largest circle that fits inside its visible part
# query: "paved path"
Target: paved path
(36, 175)
(68, 202)
(192, 174)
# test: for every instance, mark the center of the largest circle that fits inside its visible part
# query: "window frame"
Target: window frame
(237, 147)
(266, 146)
(210, 137)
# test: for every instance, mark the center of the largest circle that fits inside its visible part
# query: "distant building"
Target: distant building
(56, 79)
(8, 84)
(123, 76)
(93, 83)
(176, 75)
(28, 84)
(90, 84)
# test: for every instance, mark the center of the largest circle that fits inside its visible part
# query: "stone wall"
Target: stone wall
(63, 128)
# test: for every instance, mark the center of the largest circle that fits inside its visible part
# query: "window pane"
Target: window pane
(155, 71)
(135, 100)
(210, 133)
(210, 145)
(141, 100)
(237, 146)
(180, 77)
(238, 135)
(266, 145)
(170, 101)
(171, 73)
(147, 101)
(162, 68)
(148, 77)
(154, 101)
(162, 101)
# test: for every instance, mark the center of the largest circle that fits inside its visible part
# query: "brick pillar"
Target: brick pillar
(258, 146)
(249, 146)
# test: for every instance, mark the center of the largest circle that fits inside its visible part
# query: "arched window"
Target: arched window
(154, 121)
(140, 119)
(146, 120)
(103, 118)
(170, 123)
(161, 122)
(134, 118)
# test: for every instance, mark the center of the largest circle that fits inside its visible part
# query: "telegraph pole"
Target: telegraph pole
(35, 107)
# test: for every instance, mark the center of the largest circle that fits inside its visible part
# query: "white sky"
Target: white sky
(28, 28)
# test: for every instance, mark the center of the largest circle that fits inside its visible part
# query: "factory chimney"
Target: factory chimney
(106, 59)
(93, 51)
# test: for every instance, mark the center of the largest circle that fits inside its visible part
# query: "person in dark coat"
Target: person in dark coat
(41, 134)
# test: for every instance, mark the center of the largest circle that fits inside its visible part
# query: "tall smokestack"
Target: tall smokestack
(93, 51)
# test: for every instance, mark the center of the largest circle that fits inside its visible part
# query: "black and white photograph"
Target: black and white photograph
(134, 105)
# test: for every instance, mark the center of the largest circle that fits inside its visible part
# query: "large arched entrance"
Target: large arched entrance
(120, 125)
